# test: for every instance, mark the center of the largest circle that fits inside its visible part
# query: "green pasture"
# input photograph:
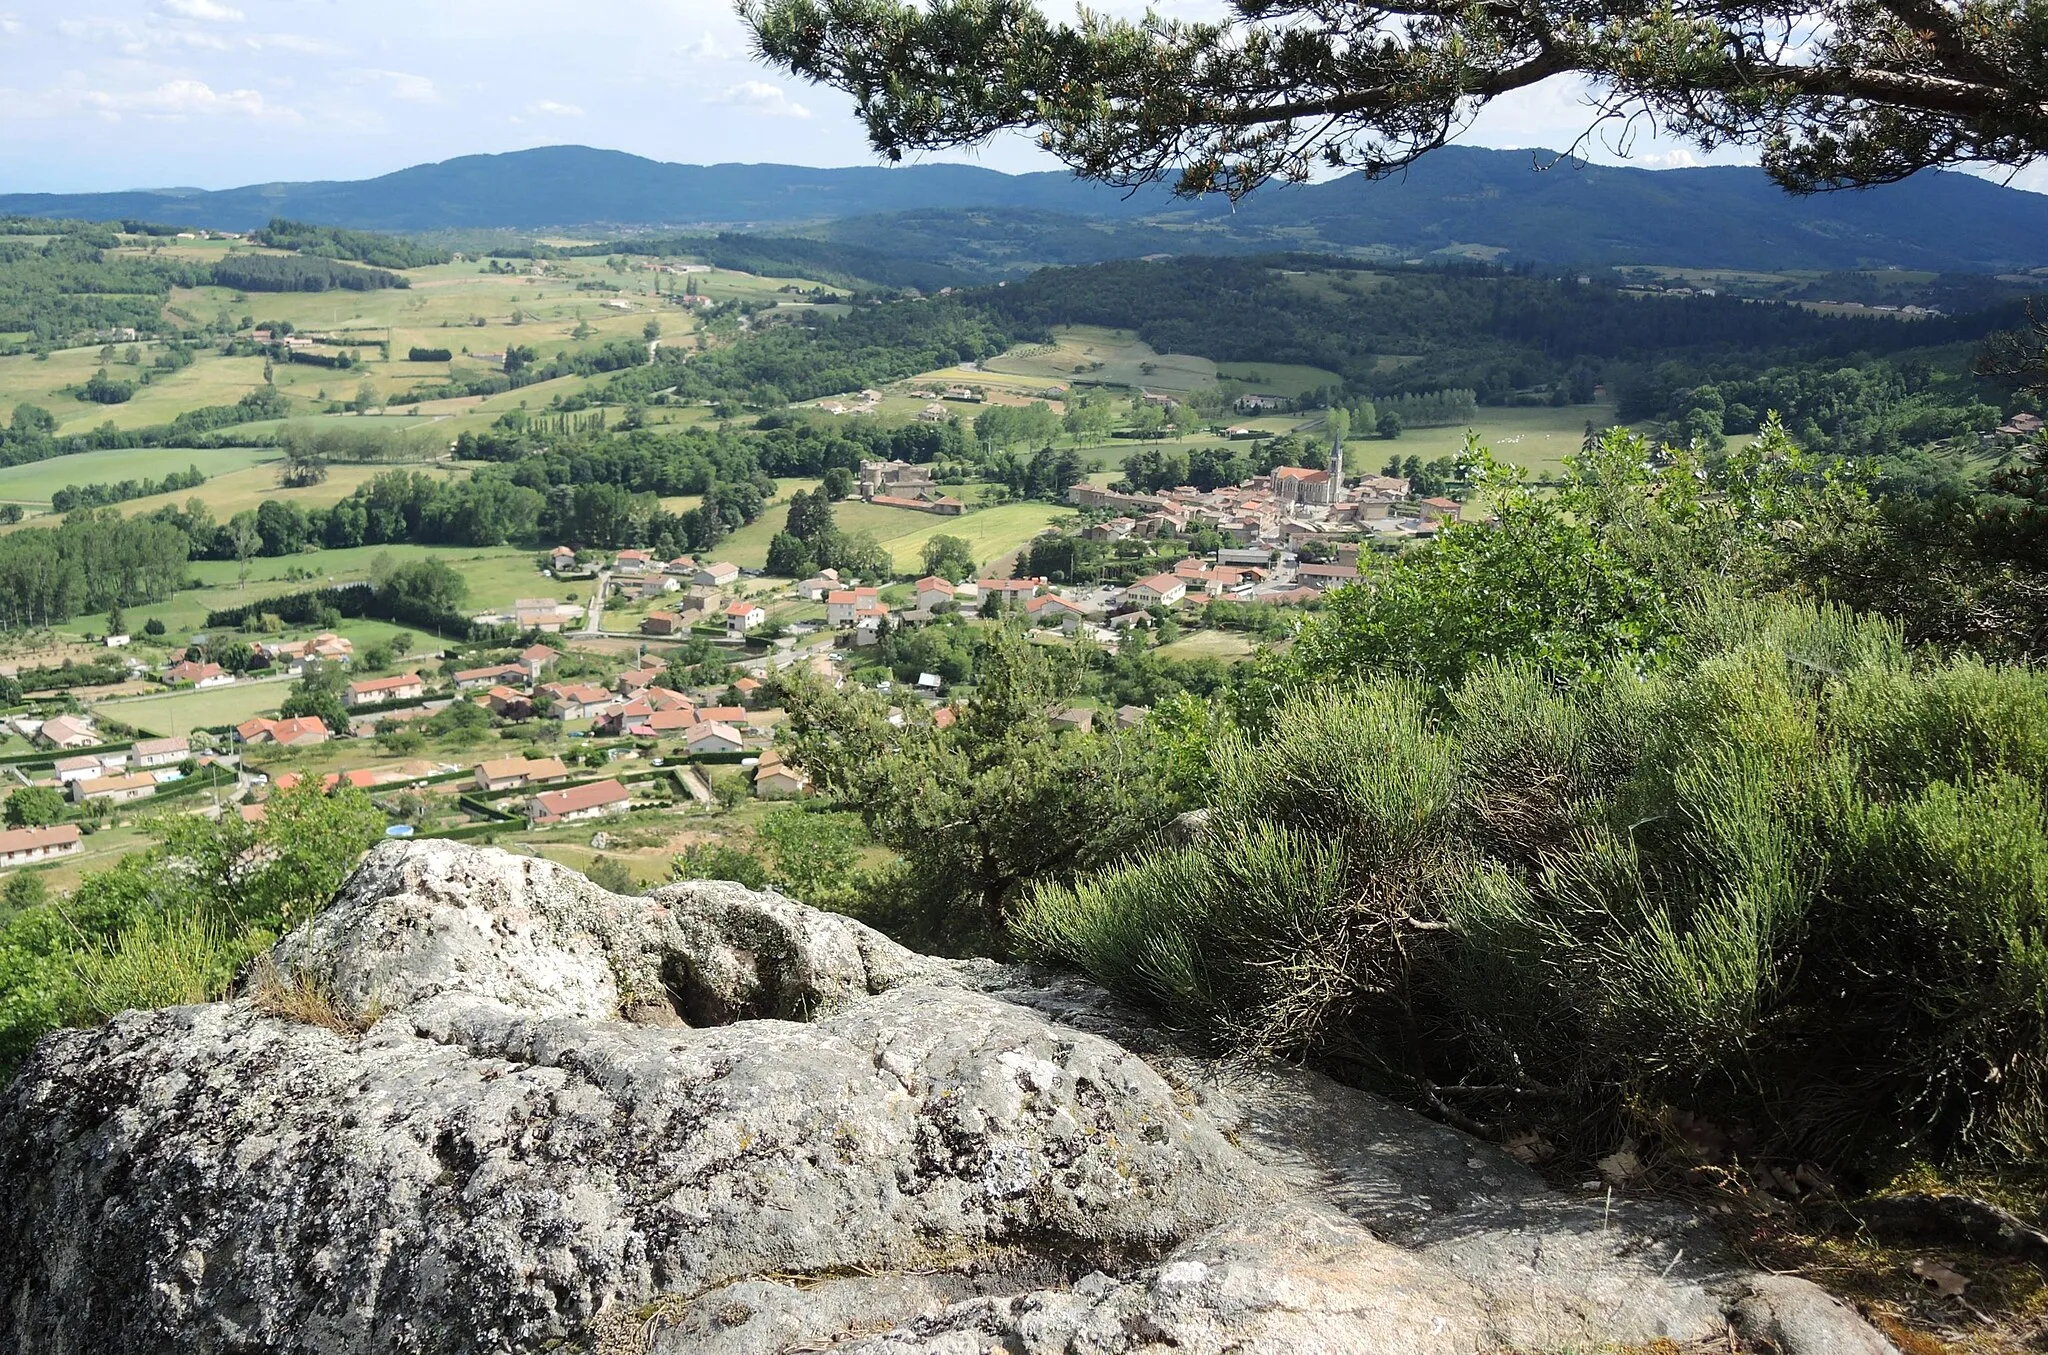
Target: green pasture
(1272, 378)
(184, 711)
(1221, 645)
(991, 532)
(35, 482)
(497, 576)
(1094, 355)
(1538, 438)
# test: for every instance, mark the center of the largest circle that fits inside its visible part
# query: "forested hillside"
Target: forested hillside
(1459, 201)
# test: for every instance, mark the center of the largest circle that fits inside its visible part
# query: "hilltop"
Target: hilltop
(1460, 201)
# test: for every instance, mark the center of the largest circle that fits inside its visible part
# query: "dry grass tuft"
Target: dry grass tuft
(297, 996)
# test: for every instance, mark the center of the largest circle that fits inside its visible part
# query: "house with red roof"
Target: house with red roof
(378, 691)
(26, 846)
(1160, 590)
(599, 799)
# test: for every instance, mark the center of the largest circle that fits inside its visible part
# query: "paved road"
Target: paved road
(594, 621)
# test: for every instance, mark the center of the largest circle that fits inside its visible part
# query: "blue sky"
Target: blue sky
(107, 94)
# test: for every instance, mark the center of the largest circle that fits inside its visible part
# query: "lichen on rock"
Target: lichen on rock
(710, 1119)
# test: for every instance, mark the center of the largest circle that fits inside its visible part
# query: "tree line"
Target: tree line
(271, 273)
(332, 242)
(95, 561)
(120, 491)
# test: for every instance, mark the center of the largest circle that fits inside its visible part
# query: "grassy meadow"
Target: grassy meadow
(993, 531)
(32, 485)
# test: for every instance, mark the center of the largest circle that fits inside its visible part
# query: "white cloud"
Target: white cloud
(184, 99)
(758, 96)
(211, 11)
(294, 42)
(401, 85)
(131, 41)
(10, 23)
(96, 30)
(1678, 157)
(549, 108)
(709, 47)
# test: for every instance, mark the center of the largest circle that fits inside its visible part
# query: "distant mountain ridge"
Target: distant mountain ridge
(1459, 200)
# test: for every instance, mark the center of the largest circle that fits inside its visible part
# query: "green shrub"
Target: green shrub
(164, 961)
(1791, 879)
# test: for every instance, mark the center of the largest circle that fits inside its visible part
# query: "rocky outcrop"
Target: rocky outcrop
(480, 1105)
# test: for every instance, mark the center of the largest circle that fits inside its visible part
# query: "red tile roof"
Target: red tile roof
(555, 804)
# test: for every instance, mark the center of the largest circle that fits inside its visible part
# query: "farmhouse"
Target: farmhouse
(632, 562)
(561, 558)
(511, 773)
(742, 617)
(26, 846)
(945, 505)
(932, 591)
(537, 659)
(597, 800)
(377, 691)
(1440, 509)
(663, 623)
(718, 574)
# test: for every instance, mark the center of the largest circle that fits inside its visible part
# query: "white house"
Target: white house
(742, 617)
(86, 766)
(162, 752)
(115, 789)
(377, 691)
(718, 574)
(712, 737)
(68, 731)
(26, 846)
(1161, 590)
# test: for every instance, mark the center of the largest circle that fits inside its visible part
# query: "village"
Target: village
(662, 704)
